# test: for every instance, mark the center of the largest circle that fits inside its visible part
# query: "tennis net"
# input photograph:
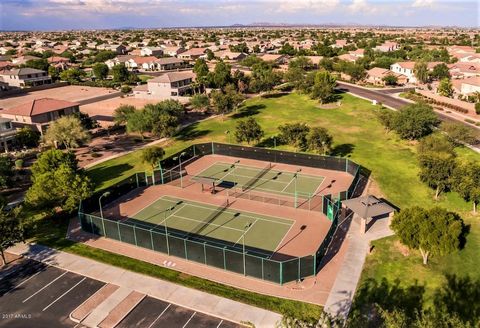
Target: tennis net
(257, 178)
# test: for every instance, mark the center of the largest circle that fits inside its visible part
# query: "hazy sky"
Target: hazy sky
(89, 14)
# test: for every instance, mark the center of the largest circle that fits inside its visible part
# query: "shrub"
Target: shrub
(477, 108)
(19, 164)
(126, 89)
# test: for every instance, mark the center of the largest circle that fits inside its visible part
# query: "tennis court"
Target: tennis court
(218, 225)
(265, 179)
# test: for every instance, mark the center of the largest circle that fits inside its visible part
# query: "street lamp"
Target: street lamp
(105, 194)
(295, 176)
(166, 227)
(243, 241)
(228, 134)
(180, 161)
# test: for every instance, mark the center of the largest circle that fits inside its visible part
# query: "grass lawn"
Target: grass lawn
(358, 135)
(144, 78)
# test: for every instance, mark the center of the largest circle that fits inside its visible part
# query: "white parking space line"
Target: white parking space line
(189, 319)
(78, 283)
(164, 310)
(221, 321)
(38, 291)
(24, 281)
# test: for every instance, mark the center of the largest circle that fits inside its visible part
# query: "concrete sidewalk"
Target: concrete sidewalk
(170, 292)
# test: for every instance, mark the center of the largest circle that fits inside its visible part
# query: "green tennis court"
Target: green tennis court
(267, 179)
(219, 225)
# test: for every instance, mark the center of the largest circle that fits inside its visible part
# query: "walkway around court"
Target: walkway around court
(176, 294)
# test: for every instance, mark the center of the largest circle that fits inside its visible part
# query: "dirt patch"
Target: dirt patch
(330, 105)
(404, 250)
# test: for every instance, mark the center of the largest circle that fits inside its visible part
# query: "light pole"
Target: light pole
(295, 177)
(166, 227)
(243, 241)
(105, 194)
(228, 134)
(180, 161)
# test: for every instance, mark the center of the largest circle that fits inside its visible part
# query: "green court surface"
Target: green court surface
(222, 225)
(267, 179)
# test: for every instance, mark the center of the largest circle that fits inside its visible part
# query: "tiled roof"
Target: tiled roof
(39, 106)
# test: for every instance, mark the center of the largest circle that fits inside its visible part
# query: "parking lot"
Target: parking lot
(33, 294)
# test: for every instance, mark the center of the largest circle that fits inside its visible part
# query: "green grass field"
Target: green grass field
(218, 225)
(266, 180)
(358, 135)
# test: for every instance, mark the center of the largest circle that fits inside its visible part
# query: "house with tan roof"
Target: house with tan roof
(407, 67)
(24, 77)
(387, 46)
(169, 63)
(151, 51)
(172, 50)
(339, 44)
(192, 53)
(376, 75)
(167, 86)
(460, 70)
(39, 113)
(466, 86)
(230, 56)
(276, 58)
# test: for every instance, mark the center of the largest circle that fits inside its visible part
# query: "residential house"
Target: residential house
(22, 60)
(167, 64)
(146, 63)
(377, 74)
(229, 55)
(166, 86)
(172, 50)
(470, 58)
(339, 44)
(4, 50)
(39, 113)
(387, 46)
(59, 62)
(119, 60)
(276, 58)
(25, 77)
(462, 70)
(315, 60)
(406, 68)
(151, 51)
(119, 49)
(7, 133)
(192, 54)
(467, 86)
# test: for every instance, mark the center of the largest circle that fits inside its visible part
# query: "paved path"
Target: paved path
(340, 299)
(176, 294)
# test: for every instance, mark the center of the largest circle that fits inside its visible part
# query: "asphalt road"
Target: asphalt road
(393, 102)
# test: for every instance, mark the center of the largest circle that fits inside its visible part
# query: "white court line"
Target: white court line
(154, 321)
(221, 321)
(288, 185)
(253, 216)
(24, 281)
(172, 214)
(78, 283)
(38, 291)
(189, 320)
(212, 224)
(245, 232)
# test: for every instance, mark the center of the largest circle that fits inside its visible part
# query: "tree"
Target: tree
(200, 102)
(440, 71)
(436, 169)
(11, 231)
(152, 155)
(357, 72)
(222, 75)
(324, 86)
(105, 55)
(302, 62)
(67, 130)
(27, 137)
(390, 79)
(436, 143)
(200, 69)
(41, 64)
(458, 133)
(121, 114)
(287, 49)
(164, 125)
(54, 73)
(72, 75)
(319, 140)
(294, 134)
(415, 121)
(433, 232)
(248, 130)
(387, 118)
(57, 182)
(120, 73)
(6, 171)
(87, 122)
(263, 78)
(138, 121)
(445, 88)
(225, 101)
(100, 70)
(466, 181)
(421, 71)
